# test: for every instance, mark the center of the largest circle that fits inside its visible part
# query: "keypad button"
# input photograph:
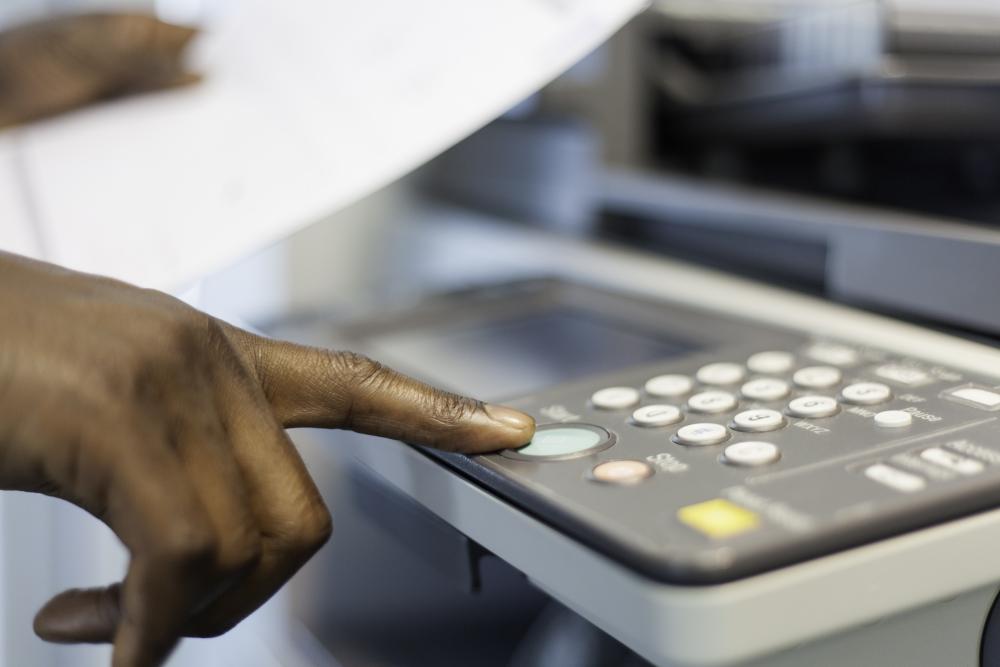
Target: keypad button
(833, 353)
(893, 419)
(656, 415)
(721, 373)
(765, 389)
(813, 407)
(952, 461)
(702, 434)
(758, 420)
(817, 377)
(669, 386)
(718, 518)
(562, 441)
(771, 362)
(751, 453)
(615, 398)
(625, 472)
(979, 397)
(895, 479)
(908, 375)
(712, 402)
(866, 393)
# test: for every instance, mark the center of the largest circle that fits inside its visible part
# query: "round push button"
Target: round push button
(758, 420)
(557, 442)
(893, 419)
(771, 362)
(765, 389)
(621, 472)
(615, 398)
(712, 402)
(701, 434)
(834, 353)
(720, 373)
(866, 393)
(817, 377)
(751, 453)
(656, 415)
(668, 386)
(813, 407)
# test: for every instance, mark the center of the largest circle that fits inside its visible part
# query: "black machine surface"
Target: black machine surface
(695, 446)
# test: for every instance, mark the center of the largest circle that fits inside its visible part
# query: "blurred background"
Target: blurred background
(843, 148)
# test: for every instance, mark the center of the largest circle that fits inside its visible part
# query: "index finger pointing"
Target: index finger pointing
(314, 387)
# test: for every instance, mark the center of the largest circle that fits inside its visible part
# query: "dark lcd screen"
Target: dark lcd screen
(514, 356)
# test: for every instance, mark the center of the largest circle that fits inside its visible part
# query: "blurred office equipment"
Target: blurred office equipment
(839, 146)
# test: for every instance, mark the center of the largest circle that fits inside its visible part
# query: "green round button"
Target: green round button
(563, 441)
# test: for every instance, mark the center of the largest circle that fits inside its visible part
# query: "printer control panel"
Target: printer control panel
(719, 466)
(696, 446)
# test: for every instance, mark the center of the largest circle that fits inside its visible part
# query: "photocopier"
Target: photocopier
(768, 423)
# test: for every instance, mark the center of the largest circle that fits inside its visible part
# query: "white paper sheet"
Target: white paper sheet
(306, 107)
(16, 230)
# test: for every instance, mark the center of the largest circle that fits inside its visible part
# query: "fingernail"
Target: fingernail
(509, 417)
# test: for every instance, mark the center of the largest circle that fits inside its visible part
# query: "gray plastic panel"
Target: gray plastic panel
(815, 500)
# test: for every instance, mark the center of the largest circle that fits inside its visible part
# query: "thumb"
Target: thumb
(88, 616)
(309, 386)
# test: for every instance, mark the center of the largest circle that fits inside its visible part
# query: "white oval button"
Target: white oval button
(615, 398)
(866, 393)
(751, 453)
(668, 386)
(758, 420)
(765, 389)
(896, 479)
(701, 434)
(813, 407)
(656, 415)
(817, 377)
(771, 362)
(893, 419)
(913, 377)
(712, 402)
(721, 373)
(833, 353)
(952, 461)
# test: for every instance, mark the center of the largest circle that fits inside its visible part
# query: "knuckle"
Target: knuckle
(239, 555)
(311, 530)
(358, 369)
(188, 543)
(183, 336)
(168, 351)
(451, 410)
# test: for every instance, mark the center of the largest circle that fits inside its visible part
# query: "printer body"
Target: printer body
(750, 296)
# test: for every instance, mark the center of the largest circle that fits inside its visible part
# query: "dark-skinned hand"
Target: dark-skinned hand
(168, 426)
(67, 62)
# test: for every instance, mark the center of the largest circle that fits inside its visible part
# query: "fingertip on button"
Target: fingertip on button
(558, 442)
(519, 427)
(511, 418)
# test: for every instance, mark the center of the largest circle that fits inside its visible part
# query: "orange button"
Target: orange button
(622, 472)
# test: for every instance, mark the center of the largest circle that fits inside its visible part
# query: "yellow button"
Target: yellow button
(718, 518)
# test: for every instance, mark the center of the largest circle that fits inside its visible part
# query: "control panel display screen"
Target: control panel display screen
(507, 357)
